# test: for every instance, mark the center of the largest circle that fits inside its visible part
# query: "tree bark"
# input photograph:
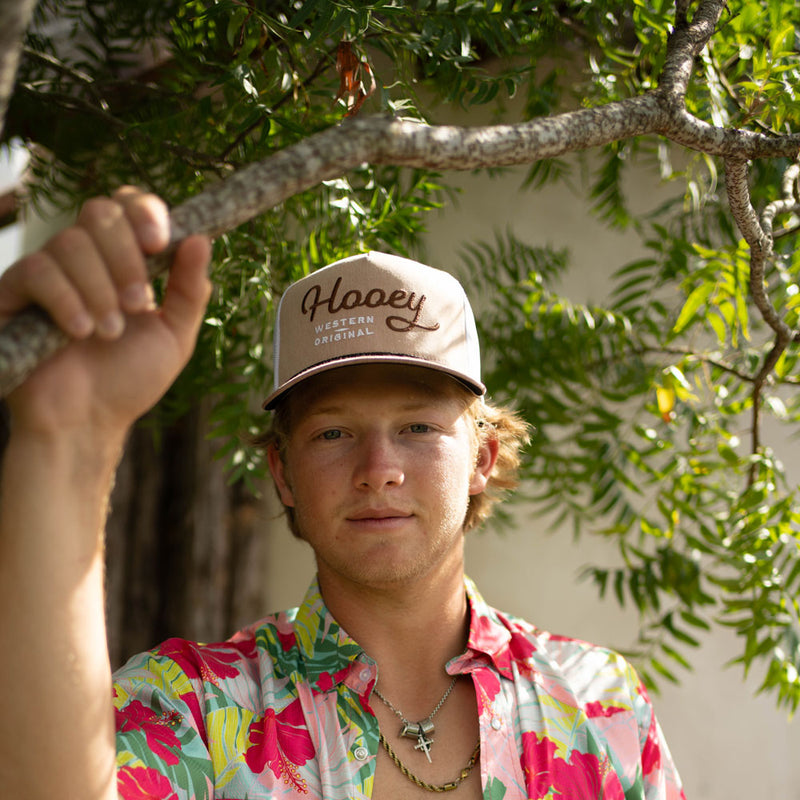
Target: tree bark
(186, 553)
(15, 16)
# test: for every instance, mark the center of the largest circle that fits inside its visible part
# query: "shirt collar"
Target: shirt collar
(492, 636)
(329, 653)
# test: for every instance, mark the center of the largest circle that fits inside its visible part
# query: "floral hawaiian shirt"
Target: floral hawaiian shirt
(282, 710)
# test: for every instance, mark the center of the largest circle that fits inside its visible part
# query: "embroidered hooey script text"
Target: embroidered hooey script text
(398, 299)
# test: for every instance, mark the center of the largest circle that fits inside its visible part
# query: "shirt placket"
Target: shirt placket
(501, 769)
(360, 734)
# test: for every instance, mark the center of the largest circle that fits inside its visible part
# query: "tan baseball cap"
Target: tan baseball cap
(370, 308)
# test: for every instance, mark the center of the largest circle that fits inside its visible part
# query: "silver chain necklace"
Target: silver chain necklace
(421, 731)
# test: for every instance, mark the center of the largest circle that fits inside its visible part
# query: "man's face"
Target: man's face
(379, 467)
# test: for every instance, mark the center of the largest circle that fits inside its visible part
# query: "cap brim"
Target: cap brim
(477, 388)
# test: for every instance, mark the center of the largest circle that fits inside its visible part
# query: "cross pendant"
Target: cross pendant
(424, 743)
(419, 731)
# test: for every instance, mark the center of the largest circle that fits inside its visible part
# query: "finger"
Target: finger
(39, 279)
(188, 289)
(83, 265)
(148, 216)
(110, 228)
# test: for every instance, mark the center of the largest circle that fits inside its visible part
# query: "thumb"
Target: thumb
(188, 289)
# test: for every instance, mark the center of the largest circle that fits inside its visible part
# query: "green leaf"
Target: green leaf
(694, 302)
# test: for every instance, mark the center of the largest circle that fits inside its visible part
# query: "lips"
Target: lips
(378, 514)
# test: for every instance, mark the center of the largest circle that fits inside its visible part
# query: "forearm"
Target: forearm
(56, 719)
(69, 421)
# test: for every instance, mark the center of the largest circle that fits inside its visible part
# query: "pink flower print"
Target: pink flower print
(597, 709)
(487, 637)
(143, 783)
(487, 687)
(325, 682)
(521, 647)
(284, 630)
(537, 758)
(157, 729)
(583, 776)
(211, 663)
(503, 642)
(281, 741)
(651, 752)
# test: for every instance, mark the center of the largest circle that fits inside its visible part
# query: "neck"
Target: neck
(411, 630)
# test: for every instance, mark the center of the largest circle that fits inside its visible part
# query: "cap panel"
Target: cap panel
(374, 307)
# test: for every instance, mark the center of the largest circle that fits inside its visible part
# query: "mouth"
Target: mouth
(379, 515)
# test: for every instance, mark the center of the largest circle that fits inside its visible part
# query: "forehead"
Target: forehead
(357, 383)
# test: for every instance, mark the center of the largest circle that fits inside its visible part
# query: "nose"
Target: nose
(378, 463)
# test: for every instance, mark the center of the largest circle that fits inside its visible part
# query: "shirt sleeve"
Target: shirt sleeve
(660, 777)
(611, 694)
(162, 744)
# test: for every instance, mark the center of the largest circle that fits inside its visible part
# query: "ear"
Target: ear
(487, 458)
(280, 476)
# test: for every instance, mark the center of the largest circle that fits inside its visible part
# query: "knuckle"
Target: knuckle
(147, 215)
(99, 212)
(132, 198)
(36, 278)
(127, 190)
(30, 269)
(70, 240)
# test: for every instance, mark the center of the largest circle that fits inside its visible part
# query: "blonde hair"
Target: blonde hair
(490, 421)
(511, 433)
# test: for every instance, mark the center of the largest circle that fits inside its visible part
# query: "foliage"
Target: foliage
(650, 412)
(230, 83)
(639, 411)
(642, 407)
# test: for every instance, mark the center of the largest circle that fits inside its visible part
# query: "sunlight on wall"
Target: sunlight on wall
(12, 163)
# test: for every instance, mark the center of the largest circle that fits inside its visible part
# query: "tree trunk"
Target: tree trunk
(186, 552)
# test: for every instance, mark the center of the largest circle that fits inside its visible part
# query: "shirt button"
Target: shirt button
(365, 674)
(496, 724)
(361, 754)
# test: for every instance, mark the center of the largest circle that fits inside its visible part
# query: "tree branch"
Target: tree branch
(683, 45)
(259, 187)
(698, 357)
(758, 235)
(15, 16)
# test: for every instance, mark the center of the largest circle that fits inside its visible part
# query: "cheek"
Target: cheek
(451, 486)
(314, 493)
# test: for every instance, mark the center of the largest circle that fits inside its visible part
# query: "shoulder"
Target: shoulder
(564, 665)
(599, 677)
(236, 667)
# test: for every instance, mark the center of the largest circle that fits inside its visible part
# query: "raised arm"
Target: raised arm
(68, 426)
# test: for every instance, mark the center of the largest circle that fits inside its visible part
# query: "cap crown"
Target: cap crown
(375, 307)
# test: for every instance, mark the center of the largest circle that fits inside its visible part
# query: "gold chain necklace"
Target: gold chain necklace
(432, 787)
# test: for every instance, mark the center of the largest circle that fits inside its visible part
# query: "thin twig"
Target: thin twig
(758, 235)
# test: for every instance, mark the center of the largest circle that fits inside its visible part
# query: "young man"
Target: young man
(393, 679)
